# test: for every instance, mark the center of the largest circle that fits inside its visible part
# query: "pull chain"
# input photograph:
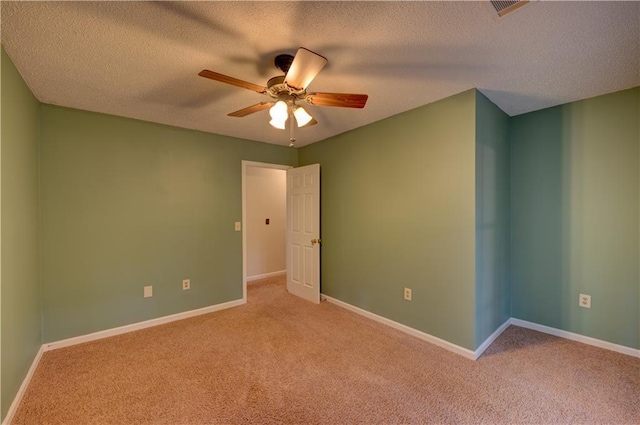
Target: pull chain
(292, 139)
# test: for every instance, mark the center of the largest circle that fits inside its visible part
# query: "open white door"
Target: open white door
(303, 232)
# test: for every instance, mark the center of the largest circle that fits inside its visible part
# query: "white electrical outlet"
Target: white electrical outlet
(238, 226)
(148, 291)
(407, 294)
(584, 301)
(186, 284)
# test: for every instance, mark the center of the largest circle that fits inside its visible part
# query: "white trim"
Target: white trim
(265, 275)
(474, 355)
(487, 342)
(576, 337)
(140, 325)
(404, 328)
(246, 164)
(23, 388)
(399, 326)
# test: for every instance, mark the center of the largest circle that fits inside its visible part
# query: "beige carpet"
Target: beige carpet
(279, 359)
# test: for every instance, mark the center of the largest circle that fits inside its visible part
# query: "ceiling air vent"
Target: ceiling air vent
(504, 7)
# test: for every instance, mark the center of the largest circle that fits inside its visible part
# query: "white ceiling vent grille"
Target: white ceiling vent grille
(504, 7)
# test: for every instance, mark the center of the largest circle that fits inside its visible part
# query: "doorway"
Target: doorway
(263, 221)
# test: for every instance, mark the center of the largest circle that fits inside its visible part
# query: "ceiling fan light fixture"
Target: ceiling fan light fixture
(302, 116)
(279, 111)
(279, 124)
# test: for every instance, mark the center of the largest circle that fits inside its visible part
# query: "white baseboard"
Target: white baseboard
(105, 334)
(487, 342)
(23, 388)
(262, 276)
(474, 355)
(140, 325)
(576, 337)
(404, 328)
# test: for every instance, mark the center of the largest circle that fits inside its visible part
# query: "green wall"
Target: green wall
(575, 216)
(398, 208)
(493, 219)
(21, 320)
(126, 204)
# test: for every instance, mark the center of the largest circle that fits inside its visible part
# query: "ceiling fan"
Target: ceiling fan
(287, 90)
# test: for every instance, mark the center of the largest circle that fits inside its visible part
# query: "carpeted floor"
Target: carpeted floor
(279, 359)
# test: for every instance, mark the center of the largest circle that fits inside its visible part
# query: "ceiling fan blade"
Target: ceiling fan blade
(230, 80)
(251, 109)
(345, 100)
(304, 68)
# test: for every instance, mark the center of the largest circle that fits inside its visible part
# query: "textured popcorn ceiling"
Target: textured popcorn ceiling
(141, 59)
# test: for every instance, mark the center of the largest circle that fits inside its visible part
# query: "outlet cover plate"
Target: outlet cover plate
(186, 284)
(584, 301)
(407, 294)
(148, 291)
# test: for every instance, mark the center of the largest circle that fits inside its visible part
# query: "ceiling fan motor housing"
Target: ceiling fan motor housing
(276, 88)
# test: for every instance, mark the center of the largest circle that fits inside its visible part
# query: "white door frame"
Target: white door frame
(245, 165)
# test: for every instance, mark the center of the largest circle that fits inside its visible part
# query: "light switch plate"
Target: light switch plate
(148, 291)
(238, 226)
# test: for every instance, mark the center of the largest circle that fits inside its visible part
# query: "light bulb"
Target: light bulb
(280, 124)
(279, 111)
(302, 116)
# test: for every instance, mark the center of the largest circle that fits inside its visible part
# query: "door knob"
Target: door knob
(315, 241)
